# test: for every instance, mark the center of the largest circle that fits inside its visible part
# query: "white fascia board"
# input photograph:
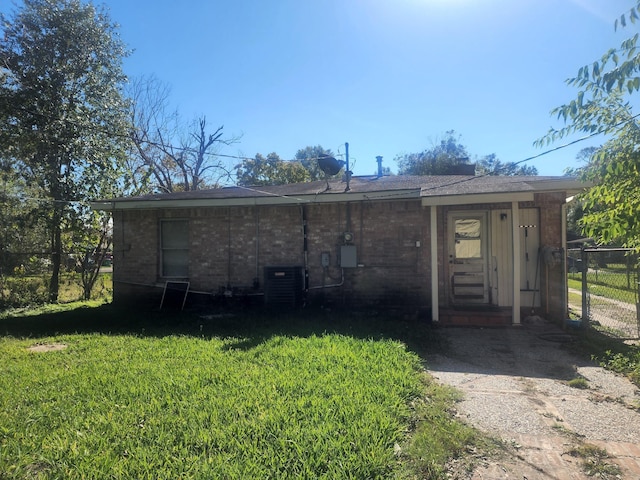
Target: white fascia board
(560, 183)
(251, 201)
(570, 186)
(477, 198)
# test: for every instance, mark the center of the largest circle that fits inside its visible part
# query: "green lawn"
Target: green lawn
(611, 285)
(306, 396)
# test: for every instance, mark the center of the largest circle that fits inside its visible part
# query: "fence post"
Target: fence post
(585, 305)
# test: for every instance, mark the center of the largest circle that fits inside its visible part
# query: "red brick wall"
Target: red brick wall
(230, 246)
(392, 269)
(553, 276)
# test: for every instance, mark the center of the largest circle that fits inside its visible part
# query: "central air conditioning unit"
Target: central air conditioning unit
(283, 286)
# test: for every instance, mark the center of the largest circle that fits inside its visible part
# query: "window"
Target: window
(468, 238)
(174, 246)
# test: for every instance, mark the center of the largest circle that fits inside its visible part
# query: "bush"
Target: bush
(22, 291)
(627, 363)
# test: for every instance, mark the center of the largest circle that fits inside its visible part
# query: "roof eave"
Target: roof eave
(145, 204)
(477, 198)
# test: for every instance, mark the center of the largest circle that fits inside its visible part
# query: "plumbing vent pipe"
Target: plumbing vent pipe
(379, 160)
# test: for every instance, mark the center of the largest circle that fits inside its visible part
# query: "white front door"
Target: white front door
(468, 258)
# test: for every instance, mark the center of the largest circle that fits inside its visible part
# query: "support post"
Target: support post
(435, 306)
(515, 219)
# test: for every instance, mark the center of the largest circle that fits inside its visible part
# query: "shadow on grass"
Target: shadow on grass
(248, 327)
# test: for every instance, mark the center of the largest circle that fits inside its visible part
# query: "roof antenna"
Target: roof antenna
(348, 172)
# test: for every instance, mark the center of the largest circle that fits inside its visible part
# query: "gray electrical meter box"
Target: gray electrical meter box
(348, 257)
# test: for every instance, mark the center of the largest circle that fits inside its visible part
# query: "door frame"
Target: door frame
(477, 276)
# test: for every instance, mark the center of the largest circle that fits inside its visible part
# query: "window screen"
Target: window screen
(174, 243)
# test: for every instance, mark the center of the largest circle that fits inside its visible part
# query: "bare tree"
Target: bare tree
(194, 160)
(167, 155)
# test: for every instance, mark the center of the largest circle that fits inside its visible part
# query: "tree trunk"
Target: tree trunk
(91, 272)
(56, 257)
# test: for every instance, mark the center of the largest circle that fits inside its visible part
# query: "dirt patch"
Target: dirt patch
(47, 347)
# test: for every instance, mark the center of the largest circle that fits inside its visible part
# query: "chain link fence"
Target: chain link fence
(604, 289)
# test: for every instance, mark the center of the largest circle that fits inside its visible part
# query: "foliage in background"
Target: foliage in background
(441, 159)
(450, 157)
(603, 106)
(25, 289)
(575, 208)
(63, 113)
(270, 170)
(23, 233)
(308, 156)
(491, 165)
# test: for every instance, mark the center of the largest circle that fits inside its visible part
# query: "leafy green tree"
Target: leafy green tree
(66, 126)
(491, 165)
(308, 157)
(22, 230)
(575, 209)
(603, 106)
(443, 158)
(270, 170)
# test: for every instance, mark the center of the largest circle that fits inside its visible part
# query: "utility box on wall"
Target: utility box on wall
(348, 258)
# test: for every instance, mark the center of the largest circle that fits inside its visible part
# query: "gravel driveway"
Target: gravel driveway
(515, 386)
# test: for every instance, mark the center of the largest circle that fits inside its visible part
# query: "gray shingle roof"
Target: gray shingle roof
(427, 186)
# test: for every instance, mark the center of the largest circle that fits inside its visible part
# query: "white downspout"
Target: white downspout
(515, 240)
(434, 264)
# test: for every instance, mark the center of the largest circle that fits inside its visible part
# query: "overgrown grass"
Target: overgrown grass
(610, 353)
(32, 290)
(168, 396)
(626, 362)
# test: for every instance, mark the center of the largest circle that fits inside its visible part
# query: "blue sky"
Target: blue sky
(387, 76)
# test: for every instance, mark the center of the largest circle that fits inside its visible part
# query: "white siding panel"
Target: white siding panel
(501, 258)
(529, 266)
(502, 271)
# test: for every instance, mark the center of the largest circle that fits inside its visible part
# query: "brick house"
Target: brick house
(458, 249)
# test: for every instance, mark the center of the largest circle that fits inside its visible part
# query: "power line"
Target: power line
(241, 157)
(163, 146)
(533, 157)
